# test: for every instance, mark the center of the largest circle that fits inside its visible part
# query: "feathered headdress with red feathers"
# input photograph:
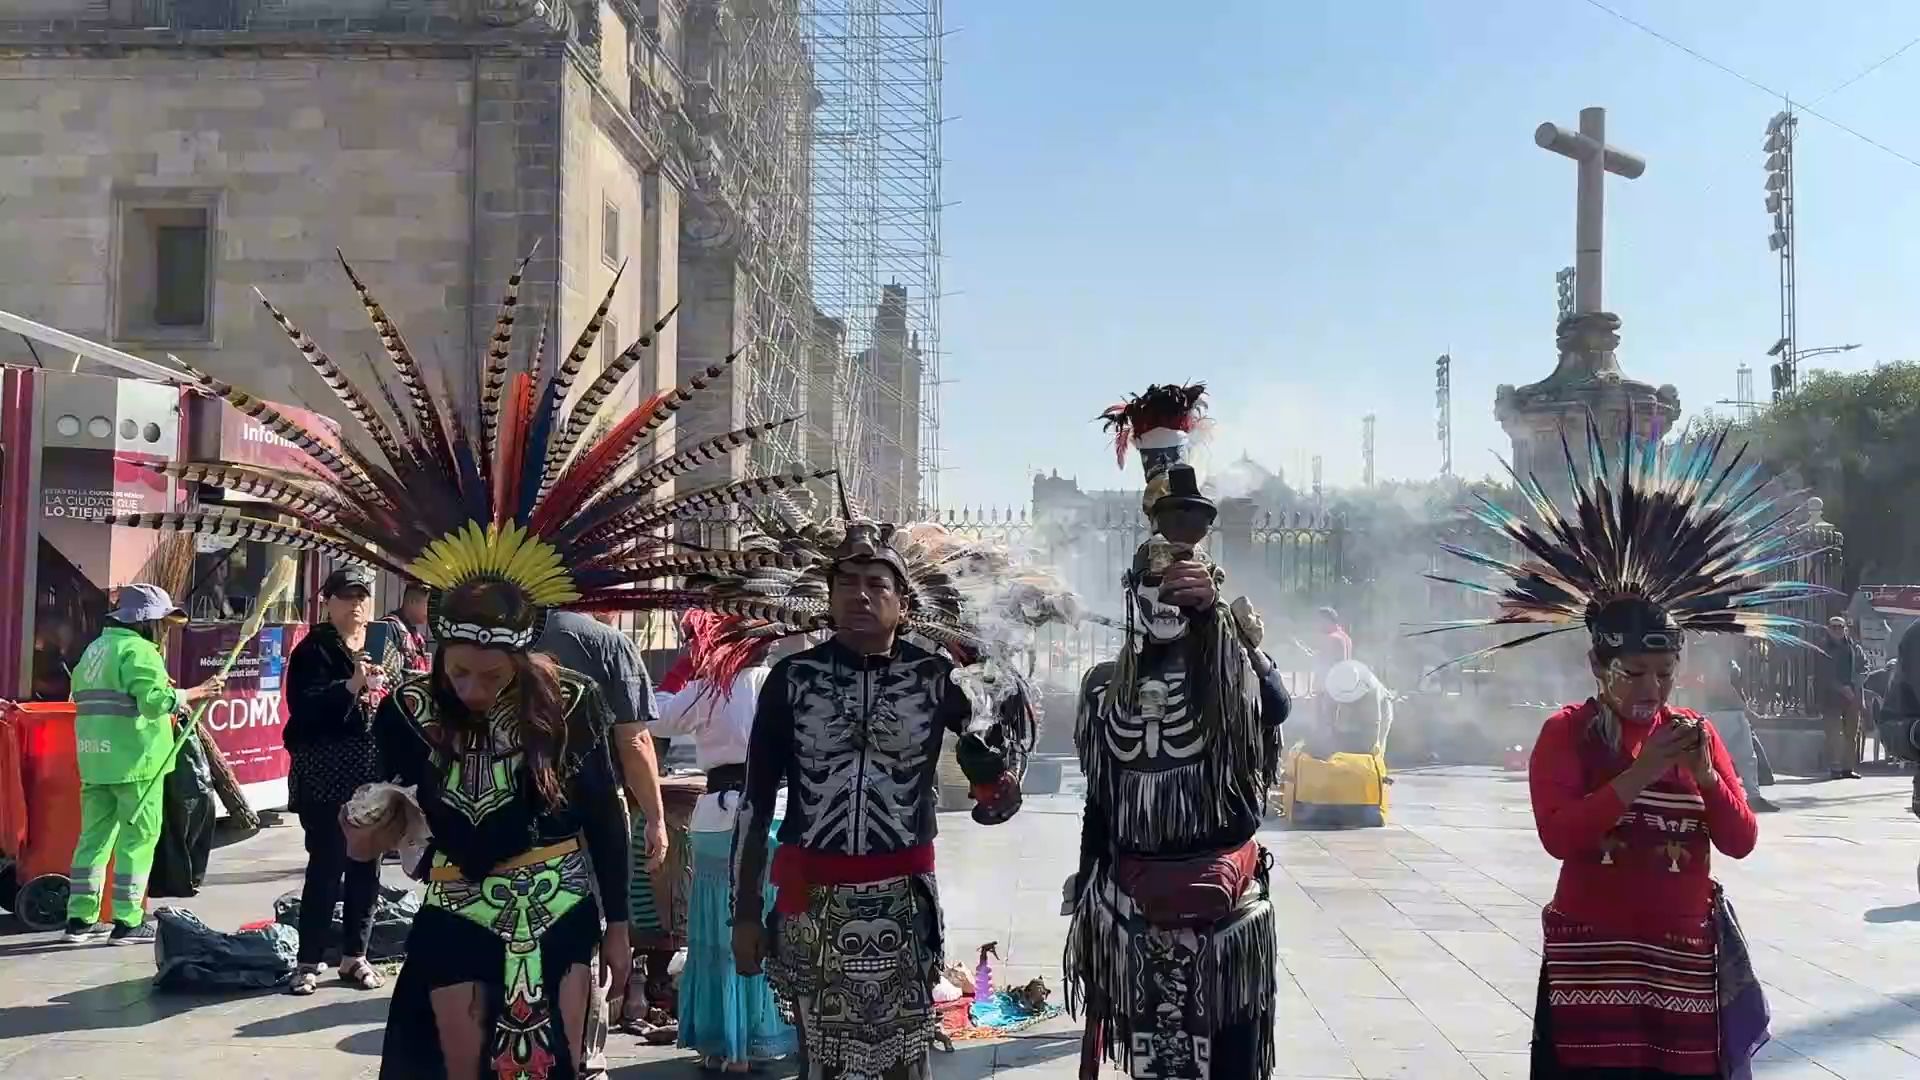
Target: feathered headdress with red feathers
(1159, 422)
(509, 503)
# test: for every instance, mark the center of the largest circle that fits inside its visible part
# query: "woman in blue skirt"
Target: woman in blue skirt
(730, 1020)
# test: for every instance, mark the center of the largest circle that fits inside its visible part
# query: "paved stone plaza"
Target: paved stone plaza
(1408, 952)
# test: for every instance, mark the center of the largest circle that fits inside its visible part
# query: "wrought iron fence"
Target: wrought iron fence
(1284, 562)
(1784, 681)
(193, 14)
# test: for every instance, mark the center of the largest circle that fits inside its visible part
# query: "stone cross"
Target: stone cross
(1588, 148)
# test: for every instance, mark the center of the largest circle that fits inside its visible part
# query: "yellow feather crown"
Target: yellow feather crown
(504, 553)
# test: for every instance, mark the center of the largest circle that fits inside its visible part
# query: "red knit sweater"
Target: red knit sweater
(1644, 868)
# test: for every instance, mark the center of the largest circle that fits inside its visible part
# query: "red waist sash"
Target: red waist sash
(796, 870)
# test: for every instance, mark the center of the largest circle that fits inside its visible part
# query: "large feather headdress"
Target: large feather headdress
(1664, 542)
(509, 504)
(962, 595)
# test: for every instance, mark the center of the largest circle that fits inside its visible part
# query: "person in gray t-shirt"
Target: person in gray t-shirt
(609, 657)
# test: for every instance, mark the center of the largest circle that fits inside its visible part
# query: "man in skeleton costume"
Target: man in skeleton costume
(853, 728)
(1171, 949)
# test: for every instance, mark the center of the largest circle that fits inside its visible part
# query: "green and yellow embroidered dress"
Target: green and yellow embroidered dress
(517, 891)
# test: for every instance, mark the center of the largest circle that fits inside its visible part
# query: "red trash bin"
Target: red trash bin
(39, 808)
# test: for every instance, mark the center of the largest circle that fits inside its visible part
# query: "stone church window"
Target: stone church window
(610, 234)
(610, 344)
(164, 269)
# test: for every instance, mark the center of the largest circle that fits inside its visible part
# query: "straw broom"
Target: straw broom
(170, 567)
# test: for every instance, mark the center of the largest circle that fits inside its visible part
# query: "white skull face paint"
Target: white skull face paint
(1616, 685)
(1162, 622)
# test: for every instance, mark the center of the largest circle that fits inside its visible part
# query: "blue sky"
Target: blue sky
(1303, 202)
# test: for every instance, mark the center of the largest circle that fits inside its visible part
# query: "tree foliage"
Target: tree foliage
(1854, 439)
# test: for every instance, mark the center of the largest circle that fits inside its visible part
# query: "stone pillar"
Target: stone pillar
(712, 318)
(660, 289)
(1232, 540)
(1586, 382)
(517, 132)
(826, 392)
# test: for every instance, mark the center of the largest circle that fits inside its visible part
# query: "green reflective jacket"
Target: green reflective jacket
(124, 705)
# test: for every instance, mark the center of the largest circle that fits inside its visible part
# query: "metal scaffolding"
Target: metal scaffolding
(751, 112)
(876, 238)
(817, 165)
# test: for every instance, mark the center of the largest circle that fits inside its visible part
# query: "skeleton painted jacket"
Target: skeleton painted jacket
(856, 741)
(1178, 755)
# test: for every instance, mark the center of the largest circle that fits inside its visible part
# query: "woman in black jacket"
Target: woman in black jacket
(333, 689)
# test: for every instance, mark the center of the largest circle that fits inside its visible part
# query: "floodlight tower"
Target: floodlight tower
(1780, 240)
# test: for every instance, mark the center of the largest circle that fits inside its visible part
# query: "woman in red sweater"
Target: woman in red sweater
(1632, 795)
(1645, 974)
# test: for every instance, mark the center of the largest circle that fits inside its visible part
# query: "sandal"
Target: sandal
(360, 972)
(306, 980)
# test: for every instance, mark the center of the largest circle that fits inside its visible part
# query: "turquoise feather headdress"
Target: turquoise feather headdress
(1677, 534)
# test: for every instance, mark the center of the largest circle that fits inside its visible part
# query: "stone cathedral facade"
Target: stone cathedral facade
(164, 157)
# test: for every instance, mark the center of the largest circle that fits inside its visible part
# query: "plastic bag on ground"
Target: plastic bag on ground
(393, 912)
(195, 958)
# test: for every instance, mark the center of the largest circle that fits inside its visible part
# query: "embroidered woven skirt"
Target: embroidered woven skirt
(1615, 1008)
(517, 935)
(723, 1014)
(855, 973)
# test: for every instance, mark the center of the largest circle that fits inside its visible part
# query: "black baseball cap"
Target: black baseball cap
(347, 577)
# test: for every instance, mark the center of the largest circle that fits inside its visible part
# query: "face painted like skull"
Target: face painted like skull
(1161, 622)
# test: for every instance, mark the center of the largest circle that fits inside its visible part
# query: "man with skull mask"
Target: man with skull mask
(1170, 954)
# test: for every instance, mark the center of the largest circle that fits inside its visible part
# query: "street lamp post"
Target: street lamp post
(1786, 369)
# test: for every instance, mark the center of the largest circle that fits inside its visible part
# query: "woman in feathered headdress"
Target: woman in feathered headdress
(1645, 971)
(507, 508)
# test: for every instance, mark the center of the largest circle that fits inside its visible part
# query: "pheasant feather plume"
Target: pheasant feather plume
(505, 482)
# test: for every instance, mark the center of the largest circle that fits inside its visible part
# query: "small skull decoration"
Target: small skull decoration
(869, 949)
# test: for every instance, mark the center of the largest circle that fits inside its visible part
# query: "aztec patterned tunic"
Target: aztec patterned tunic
(517, 890)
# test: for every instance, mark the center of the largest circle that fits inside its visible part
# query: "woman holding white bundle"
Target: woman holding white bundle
(729, 1019)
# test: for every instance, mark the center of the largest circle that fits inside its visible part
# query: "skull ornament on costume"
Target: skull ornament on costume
(870, 948)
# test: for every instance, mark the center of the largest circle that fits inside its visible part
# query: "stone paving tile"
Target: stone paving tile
(1500, 1066)
(1439, 1062)
(1369, 1024)
(1379, 977)
(1335, 980)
